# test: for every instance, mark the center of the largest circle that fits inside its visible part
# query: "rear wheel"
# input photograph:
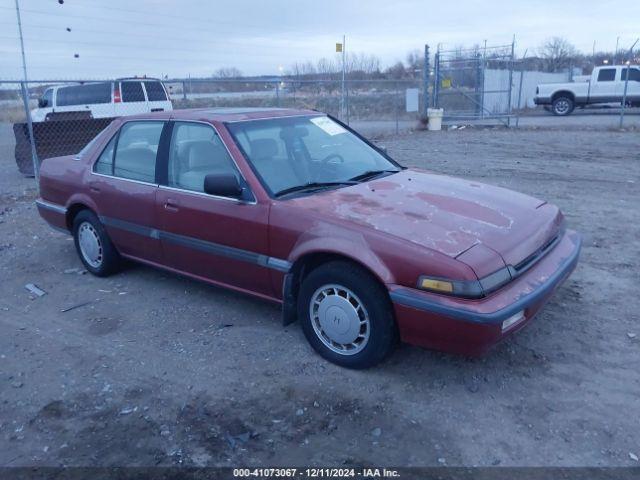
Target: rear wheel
(94, 246)
(562, 105)
(346, 315)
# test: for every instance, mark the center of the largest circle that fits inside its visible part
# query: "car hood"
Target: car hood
(442, 213)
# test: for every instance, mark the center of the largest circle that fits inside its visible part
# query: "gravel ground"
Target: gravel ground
(158, 369)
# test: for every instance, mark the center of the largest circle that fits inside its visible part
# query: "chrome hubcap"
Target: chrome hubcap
(339, 319)
(90, 245)
(562, 106)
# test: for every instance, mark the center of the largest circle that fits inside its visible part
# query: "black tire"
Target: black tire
(562, 105)
(110, 260)
(381, 327)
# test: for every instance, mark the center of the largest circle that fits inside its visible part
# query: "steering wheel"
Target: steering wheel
(328, 158)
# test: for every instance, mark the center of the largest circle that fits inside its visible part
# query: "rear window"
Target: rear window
(132, 92)
(91, 93)
(607, 75)
(634, 74)
(155, 92)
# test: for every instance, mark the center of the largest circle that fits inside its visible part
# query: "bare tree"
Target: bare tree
(557, 53)
(227, 72)
(396, 71)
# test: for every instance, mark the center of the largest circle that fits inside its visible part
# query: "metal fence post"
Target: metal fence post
(513, 42)
(184, 90)
(32, 140)
(624, 95)
(479, 90)
(347, 99)
(519, 96)
(277, 93)
(425, 82)
(436, 78)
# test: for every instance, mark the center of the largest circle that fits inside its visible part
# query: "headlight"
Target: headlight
(436, 285)
(466, 288)
(457, 288)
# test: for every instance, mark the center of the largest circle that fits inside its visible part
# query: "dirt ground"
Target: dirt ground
(161, 370)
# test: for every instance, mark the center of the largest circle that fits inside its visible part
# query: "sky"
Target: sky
(113, 38)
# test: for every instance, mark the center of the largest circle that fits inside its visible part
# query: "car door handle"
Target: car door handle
(93, 186)
(171, 205)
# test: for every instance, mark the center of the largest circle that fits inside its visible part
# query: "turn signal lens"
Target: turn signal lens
(436, 285)
(512, 320)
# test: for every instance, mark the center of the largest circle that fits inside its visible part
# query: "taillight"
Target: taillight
(116, 94)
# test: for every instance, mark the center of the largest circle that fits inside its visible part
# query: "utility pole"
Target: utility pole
(342, 103)
(626, 82)
(25, 99)
(615, 55)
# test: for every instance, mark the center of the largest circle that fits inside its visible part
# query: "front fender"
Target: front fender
(333, 239)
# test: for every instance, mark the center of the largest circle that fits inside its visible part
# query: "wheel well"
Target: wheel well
(563, 93)
(307, 263)
(72, 211)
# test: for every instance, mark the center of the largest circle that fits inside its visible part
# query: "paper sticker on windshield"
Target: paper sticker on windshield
(329, 126)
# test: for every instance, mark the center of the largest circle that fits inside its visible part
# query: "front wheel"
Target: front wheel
(346, 315)
(562, 106)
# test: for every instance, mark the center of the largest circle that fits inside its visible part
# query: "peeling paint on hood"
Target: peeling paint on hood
(442, 213)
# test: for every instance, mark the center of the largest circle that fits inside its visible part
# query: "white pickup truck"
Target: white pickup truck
(605, 85)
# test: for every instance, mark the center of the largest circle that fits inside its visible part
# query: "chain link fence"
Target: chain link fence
(65, 115)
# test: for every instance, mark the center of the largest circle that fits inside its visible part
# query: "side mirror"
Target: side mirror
(223, 185)
(42, 103)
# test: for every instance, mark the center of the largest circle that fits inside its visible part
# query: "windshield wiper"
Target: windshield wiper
(313, 186)
(370, 174)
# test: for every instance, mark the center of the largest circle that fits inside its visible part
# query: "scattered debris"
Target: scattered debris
(35, 289)
(73, 307)
(442, 460)
(632, 335)
(376, 432)
(299, 412)
(128, 410)
(633, 456)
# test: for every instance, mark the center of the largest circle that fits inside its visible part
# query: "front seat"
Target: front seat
(204, 158)
(275, 171)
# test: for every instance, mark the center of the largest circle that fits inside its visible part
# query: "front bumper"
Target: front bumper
(542, 100)
(471, 327)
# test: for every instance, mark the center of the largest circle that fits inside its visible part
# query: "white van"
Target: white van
(125, 96)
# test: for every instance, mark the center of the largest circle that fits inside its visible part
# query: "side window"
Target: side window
(67, 96)
(48, 97)
(131, 92)
(634, 74)
(155, 92)
(104, 164)
(196, 151)
(607, 75)
(94, 93)
(135, 157)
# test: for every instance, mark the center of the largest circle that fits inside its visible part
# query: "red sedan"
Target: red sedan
(295, 207)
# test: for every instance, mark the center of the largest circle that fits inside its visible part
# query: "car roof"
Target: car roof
(225, 114)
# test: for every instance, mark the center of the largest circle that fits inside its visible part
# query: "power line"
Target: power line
(168, 15)
(113, 20)
(133, 34)
(105, 44)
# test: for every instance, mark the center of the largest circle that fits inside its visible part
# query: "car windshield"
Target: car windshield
(298, 154)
